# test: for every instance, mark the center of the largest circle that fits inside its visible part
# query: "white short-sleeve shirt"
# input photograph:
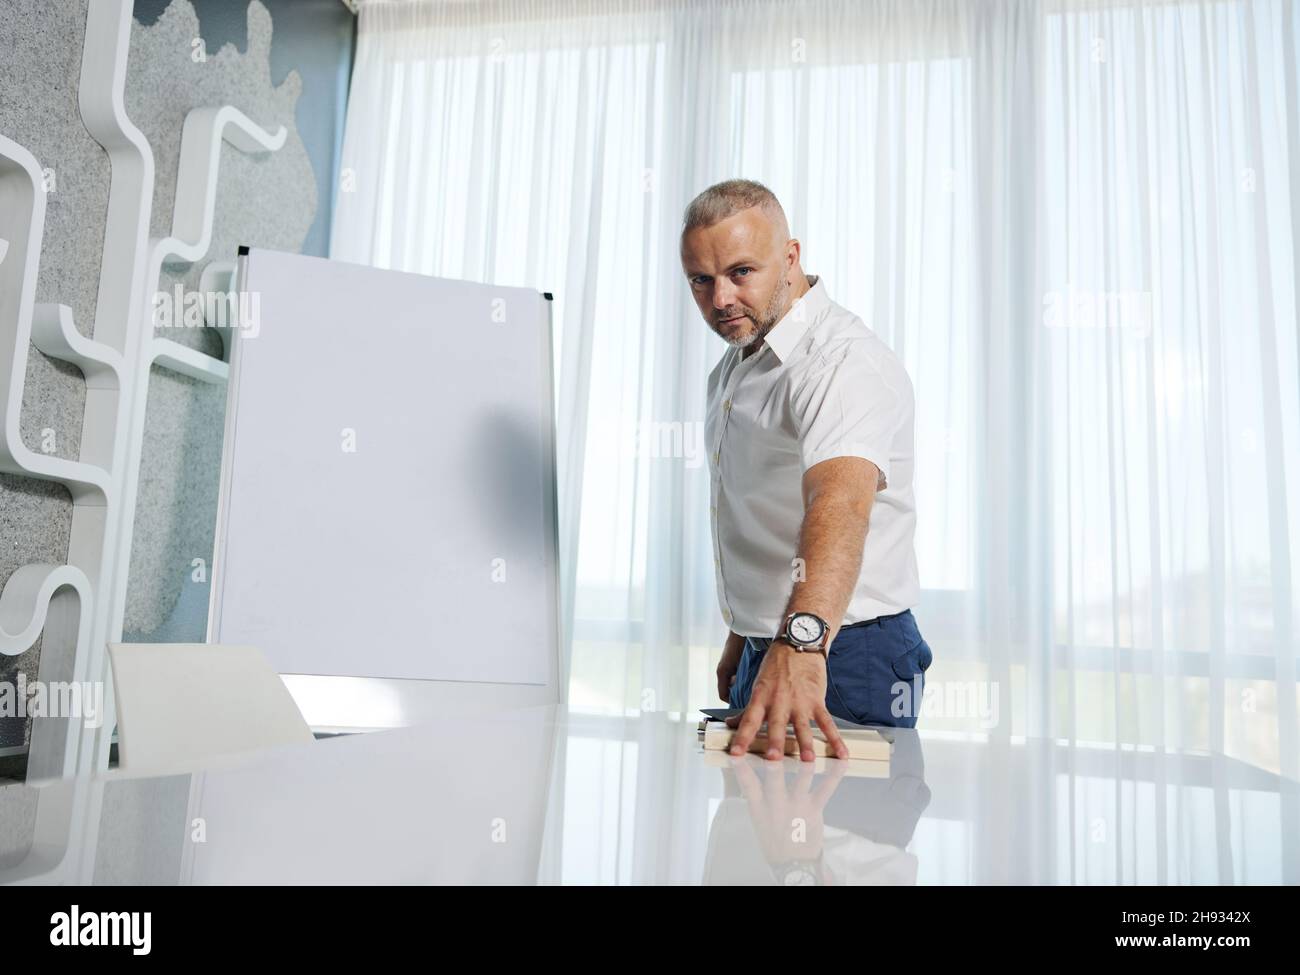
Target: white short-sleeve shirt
(822, 385)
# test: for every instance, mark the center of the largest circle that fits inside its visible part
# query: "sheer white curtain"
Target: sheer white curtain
(1076, 222)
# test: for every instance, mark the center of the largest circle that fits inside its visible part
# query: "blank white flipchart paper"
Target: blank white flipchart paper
(388, 505)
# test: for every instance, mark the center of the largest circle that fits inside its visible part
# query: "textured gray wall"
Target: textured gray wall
(267, 199)
(315, 39)
(273, 200)
(40, 61)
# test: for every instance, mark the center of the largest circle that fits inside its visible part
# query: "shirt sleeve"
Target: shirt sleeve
(845, 408)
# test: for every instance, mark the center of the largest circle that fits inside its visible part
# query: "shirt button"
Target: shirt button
(726, 405)
(716, 456)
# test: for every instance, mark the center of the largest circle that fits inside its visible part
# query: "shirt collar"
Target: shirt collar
(786, 333)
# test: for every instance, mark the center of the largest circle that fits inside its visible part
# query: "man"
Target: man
(809, 429)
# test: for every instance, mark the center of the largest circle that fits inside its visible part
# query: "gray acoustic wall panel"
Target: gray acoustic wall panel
(183, 55)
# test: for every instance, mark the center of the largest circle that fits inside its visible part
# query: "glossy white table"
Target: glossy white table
(537, 795)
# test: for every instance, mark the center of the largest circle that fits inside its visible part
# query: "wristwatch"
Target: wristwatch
(806, 632)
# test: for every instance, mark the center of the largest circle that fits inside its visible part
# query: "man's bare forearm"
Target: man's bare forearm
(831, 541)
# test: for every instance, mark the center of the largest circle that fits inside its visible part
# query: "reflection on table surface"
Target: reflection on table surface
(540, 795)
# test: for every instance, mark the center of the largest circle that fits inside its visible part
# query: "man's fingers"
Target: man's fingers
(804, 736)
(777, 717)
(834, 741)
(749, 724)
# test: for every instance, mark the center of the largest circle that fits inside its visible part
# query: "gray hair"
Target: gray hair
(728, 198)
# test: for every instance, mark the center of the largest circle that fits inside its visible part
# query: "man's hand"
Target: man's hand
(729, 664)
(790, 687)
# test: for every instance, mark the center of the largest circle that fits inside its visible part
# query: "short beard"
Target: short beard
(772, 314)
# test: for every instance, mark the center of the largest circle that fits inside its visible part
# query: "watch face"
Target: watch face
(805, 628)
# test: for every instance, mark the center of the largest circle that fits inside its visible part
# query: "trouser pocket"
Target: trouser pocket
(908, 688)
(876, 672)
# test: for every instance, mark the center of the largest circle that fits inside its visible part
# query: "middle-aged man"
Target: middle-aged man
(809, 429)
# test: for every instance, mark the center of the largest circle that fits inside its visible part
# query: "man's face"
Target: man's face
(738, 274)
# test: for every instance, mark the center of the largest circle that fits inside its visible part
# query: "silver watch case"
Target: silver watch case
(803, 646)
